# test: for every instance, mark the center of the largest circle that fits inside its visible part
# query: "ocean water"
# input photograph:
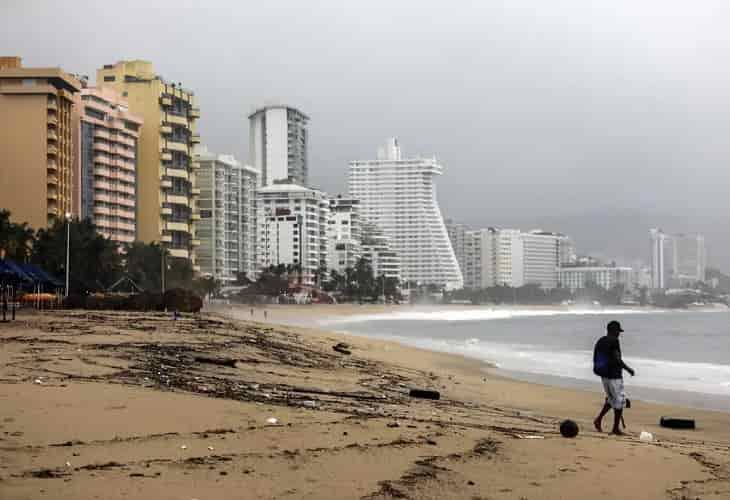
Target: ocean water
(680, 357)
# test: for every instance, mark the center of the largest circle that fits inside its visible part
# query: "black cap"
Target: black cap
(614, 326)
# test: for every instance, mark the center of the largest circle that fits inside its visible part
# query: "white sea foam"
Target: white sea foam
(480, 314)
(705, 378)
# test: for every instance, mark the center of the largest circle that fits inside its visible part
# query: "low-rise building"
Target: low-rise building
(378, 250)
(575, 278)
(343, 234)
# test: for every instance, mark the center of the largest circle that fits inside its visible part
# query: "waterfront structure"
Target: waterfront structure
(575, 278)
(343, 234)
(399, 196)
(689, 259)
(658, 263)
(377, 249)
(278, 143)
(227, 225)
(106, 150)
(457, 236)
(36, 143)
(510, 258)
(541, 258)
(480, 258)
(292, 228)
(165, 169)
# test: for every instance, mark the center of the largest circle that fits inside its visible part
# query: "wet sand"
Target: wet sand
(119, 405)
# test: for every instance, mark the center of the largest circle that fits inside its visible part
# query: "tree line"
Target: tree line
(97, 263)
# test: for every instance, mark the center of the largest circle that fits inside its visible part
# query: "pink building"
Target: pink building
(106, 184)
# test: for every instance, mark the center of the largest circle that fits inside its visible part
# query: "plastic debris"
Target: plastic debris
(646, 437)
(184, 447)
(38, 381)
(210, 448)
(528, 436)
(272, 421)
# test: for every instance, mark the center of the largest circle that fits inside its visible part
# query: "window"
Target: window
(109, 78)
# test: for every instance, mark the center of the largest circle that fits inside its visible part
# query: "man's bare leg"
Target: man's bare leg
(599, 418)
(616, 420)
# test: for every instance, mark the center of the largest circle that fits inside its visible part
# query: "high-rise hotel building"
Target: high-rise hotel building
(399, 196)
(278, 144)
(36, 142)
(106, 151)
(166, 171)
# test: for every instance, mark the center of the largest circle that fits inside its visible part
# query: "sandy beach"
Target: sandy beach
(132, 405)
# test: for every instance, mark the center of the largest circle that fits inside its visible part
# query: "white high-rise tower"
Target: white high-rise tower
(658, 264)
(399, 196)
(278, 144)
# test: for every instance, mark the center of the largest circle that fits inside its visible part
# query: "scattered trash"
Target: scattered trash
(528, 436)
(424, 394)
(677, 423)
(230, 362)
(568, 428)
(210, 448)
(184, 447)
(272, 421)
(342, 348)
(38, 381)
(646, 437)
(68, 464)
(393, 424)
(309, 404)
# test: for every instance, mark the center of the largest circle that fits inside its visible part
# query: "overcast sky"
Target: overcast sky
(534, 107)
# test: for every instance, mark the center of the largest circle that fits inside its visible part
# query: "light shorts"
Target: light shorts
(615, 396)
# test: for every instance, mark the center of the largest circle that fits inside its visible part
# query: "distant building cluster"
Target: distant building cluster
(125, 154)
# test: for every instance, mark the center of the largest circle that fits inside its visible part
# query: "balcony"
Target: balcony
(166, 238)
(101, 133)
(177, 146)
(100, 146)
(166, 101)
(52, 195)
(53, 211)
(177, 172)
(195, 138)
(195, 113)
(177, 226)
(195, 191)
(52, 136)
(195, 216)
(176, 120)
(179, 252)
(52, 150)
(52, 104)
(166, 211)
(52, 166)
(195, 243)
(166, 130)
(177, 199)
(166, 156)
(165, 183)
(52, 120)
(51, 180)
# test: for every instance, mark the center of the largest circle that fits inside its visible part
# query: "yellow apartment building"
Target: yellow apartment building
(166, 197)
(36, 150)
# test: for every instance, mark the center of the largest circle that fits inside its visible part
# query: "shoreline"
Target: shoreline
(97, 404)
(327, 317)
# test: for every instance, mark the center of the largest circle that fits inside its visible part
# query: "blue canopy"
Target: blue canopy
(11, 270)
(40, 276)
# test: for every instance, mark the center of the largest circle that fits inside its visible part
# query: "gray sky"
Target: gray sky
(534, 107)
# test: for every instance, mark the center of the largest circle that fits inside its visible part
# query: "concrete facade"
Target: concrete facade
(166, 171)
(576, 278)
(343, 234)
(106, 144)
(278, 143)
(36, 142)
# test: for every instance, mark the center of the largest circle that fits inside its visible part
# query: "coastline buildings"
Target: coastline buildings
(376, 247)
(689, 259)
(541, 258)
(278, 142)
(576, 278)
(292, 228)
(658, 264)
(227, 225)
(399, 196)
(36, 143)
(106, 151)
(343, 234)
(457, 236)
(480, 258)
(165, 170)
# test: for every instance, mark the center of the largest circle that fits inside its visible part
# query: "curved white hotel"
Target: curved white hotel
(399, 196)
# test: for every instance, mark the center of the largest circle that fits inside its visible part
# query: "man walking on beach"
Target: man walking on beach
(608, 365)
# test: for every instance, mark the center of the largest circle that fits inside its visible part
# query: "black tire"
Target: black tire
(677, 423)
(425, 394)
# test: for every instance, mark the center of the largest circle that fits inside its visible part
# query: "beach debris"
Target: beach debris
(528, 436)
(424, 394)
(68, 464)
(210, 448)
(394, 424)
(184, 447)
(309, 404)
(38, 381)
(272, 421)
(568, 428)
(342, 348)
(230, 362)
(646, 437)
(677, 423)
